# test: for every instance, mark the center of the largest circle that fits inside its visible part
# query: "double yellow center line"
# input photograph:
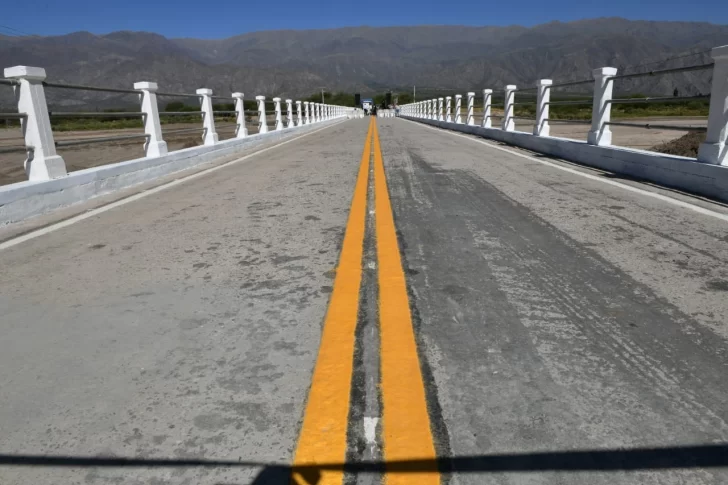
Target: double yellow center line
(406, 433)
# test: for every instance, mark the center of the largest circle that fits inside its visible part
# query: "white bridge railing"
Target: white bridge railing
(712, 151)
(44, 163)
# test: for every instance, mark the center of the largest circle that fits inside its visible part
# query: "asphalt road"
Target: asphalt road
(485, 304)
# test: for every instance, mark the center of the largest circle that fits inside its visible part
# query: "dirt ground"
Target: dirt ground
(86, 156)
(685, 146)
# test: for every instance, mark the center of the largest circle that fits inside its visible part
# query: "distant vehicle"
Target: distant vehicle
(367, 104)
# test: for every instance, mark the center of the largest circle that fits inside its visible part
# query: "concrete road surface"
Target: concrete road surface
(494, 315)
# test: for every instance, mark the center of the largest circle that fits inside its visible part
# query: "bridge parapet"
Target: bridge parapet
(706, 174)
(43, 163)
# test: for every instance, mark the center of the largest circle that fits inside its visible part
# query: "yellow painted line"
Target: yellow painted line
(405, 422)
(323, 434)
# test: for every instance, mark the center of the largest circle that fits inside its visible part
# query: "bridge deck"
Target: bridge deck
(554, 308)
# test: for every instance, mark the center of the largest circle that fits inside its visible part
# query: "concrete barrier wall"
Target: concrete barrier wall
(27, 199)
(668, 170)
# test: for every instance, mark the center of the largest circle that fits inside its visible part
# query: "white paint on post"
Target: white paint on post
(487, 103)
(299, 118)
(714, 149)
(600, 134)
(448, 109)
(154, 146)
(289, 114)
(241, 131)
(458, 109)
(439, 109)
(278, 119)
(543, 97)
(307, 120)
(262, 122)
(209, 135)
(42, 162)
(471, 106)
(509, 124)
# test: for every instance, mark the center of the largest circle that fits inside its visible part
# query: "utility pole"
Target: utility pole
(414, 92)
(322, 96)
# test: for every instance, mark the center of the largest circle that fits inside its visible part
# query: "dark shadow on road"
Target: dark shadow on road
(675, 457)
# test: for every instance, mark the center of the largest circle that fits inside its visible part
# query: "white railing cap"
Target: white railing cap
(146, 85)
(204, 91)
(604, 71)
(26, 72)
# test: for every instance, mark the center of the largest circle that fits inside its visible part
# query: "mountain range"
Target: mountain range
(296, 63)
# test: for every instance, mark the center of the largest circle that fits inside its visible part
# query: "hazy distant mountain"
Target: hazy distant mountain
(366, 59)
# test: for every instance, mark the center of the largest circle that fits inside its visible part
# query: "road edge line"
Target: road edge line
(664, 198)
(14, 241)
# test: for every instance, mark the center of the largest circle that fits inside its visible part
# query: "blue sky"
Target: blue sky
(224, 18)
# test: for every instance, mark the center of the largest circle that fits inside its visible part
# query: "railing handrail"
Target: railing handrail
(711, 151)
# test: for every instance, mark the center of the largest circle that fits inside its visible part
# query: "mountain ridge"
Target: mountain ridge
(365, 59)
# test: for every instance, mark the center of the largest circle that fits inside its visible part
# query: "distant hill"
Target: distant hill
(368, 60)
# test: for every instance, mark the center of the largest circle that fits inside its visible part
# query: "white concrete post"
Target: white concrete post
(543, 97)
(314, 107)
(307, 120)
(458, 109)
(439, 109)
(209, 135)
(42, 163)
(154, 146)
(241, 131)
(714, 149)
(289, 113)
(262, 122)
(471, 104)
(433, 109)
(508, 123)
(448, 109)
(487, 103)
(600, 134)
(278, 119)
(299, 119)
